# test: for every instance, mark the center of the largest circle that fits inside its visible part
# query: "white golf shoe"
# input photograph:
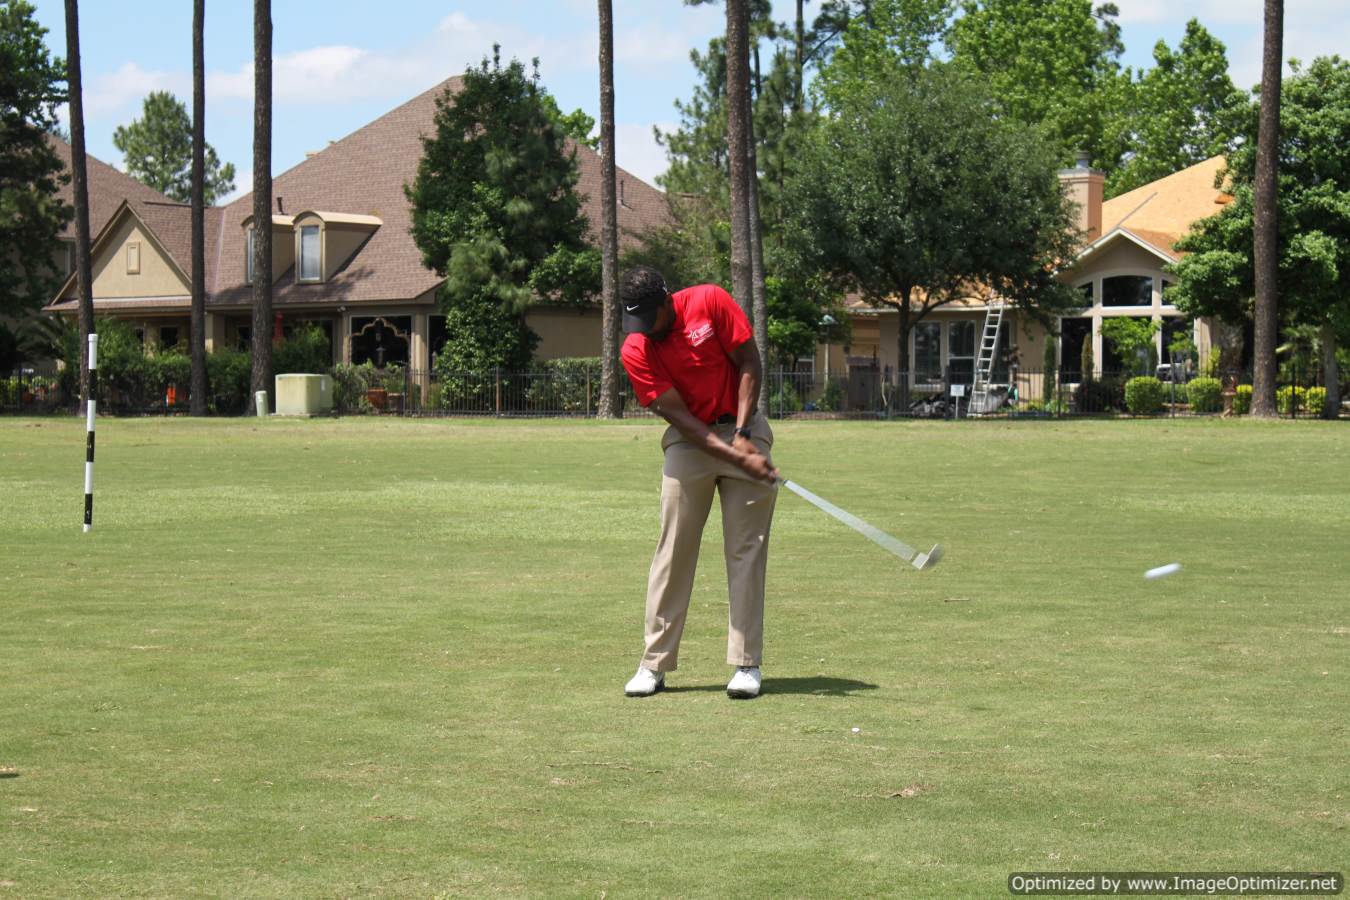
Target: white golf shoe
(744, 685)
(644, 683)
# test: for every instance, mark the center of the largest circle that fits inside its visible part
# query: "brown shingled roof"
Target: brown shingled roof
(364, 173)
(107, 189)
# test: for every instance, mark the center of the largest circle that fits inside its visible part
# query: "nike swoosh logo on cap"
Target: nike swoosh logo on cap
(633, 308)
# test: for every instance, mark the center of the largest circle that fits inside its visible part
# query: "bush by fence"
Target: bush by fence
(1144, 395)
(1205, 395)
(132, 383)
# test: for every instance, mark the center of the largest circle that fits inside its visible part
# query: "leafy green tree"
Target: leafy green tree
(895, 36)
(576, 125)
(32, 84)
(1132, 339)
(795, 313)
(496, 212)
(157, 149)
(912, 193)
(1182, 111)
(1217, 276)
(1049, 63)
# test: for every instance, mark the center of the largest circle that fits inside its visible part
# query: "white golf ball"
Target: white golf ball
(857, 730)
(1163, 571)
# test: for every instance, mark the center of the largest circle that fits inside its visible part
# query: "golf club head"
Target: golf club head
(929, 559)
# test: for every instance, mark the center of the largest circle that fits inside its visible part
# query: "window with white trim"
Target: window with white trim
(1127, 290)
(248, 257)
(309, 253)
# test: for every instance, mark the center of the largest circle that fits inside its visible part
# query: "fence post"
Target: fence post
(588, 392)
(497, 373)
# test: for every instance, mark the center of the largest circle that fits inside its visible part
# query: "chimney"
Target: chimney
(1084, 185)
(280, 209)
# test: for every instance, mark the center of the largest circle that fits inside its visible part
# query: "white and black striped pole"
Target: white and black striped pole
(89, 435)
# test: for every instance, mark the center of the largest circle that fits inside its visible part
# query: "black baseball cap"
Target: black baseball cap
(642, 293)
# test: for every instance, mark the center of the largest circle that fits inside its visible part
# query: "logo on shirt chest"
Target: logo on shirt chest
(698, 332)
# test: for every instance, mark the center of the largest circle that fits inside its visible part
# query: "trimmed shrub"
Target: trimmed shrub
(1144, 395)
(1310, 400)
(350, 384)
(1317, 398)
(1205, 395)
(171, 367)
(1242, 400)
(228, 373)
(1107, 395)
(564, 387)
(305, 352)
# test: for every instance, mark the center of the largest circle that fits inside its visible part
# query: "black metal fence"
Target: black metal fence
(574, 390)
(25, 391)
(867, 393)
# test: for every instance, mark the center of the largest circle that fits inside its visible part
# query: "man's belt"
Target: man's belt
(727, 419)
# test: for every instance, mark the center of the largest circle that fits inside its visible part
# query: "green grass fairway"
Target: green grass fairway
(375, 657)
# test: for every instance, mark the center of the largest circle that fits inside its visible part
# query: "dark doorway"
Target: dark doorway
(381, 340)
(1072, 333)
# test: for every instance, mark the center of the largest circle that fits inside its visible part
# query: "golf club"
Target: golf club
(876, 535)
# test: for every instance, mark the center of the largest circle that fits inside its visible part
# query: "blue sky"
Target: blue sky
(338, 65)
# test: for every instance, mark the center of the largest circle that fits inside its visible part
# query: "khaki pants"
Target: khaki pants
(689, 479)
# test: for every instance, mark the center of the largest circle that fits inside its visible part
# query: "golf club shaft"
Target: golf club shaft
(876, 535)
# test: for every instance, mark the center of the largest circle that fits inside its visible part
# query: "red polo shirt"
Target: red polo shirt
(693, 356)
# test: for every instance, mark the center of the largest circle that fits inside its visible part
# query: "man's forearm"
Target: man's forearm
(747, 400)
(698, 433)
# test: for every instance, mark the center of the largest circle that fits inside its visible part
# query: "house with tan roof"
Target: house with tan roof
(1120, 273)
(343, 254)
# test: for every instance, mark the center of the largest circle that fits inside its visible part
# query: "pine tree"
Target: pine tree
(31, 214)
(495, 211)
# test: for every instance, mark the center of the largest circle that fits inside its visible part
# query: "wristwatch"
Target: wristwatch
(743, 431)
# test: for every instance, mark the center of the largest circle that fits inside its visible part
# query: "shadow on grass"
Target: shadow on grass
(820, 686)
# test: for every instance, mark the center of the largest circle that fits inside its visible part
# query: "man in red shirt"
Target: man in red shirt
(690, 358)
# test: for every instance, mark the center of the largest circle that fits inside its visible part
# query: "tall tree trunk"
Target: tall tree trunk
(609, 230)
(760, 320)
(197, 395)
(1266, 237)
(80, 182)
(902, 350)
(1331, 373)
(738, 152)
(262, 198)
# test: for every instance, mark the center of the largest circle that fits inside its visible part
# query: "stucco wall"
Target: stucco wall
(565, 332)
(157, 277)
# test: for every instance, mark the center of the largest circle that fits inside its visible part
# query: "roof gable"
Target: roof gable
(1165, 209)
(107, 187)
(361, 177)
(105, 244)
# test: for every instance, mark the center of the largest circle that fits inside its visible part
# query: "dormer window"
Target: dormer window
(311, 268)
(283, 246)
(326, 241)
